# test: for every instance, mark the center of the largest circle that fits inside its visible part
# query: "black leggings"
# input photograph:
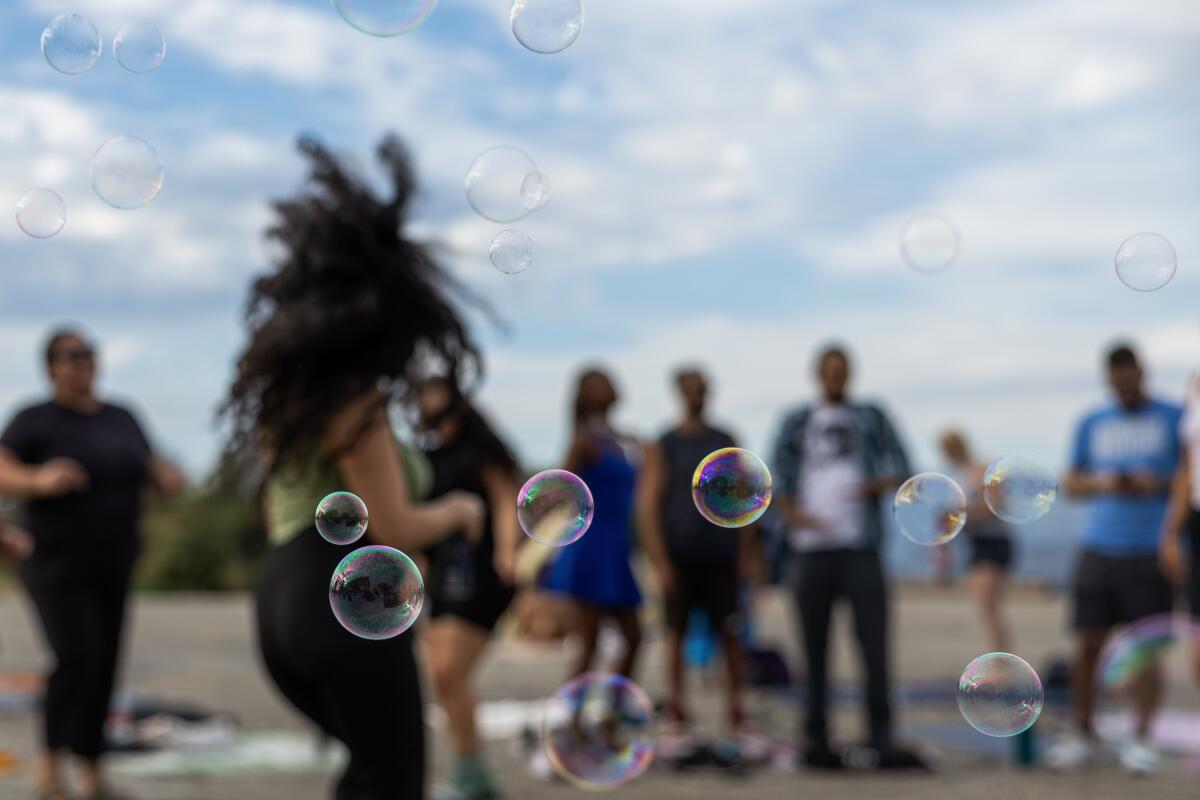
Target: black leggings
(366, 694)
(81, 603)
(821, 579)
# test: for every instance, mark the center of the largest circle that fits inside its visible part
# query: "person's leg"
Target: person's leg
(720, 600)
(864, 583)
(986, 582)
(631, 632)
(587, 627)
(676, 607)
(815, 592)
(112, 591)
(1089, 643)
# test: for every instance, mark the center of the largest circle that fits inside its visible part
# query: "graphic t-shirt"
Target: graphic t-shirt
(831, 481)
(1121, 441)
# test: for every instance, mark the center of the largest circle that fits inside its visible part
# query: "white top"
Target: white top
(830, 482)
(1189, 435)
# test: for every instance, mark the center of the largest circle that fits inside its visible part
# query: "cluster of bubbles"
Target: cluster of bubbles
(999, 694)
(598, 731)
(71, 44)
(555, 508)
(546, 26)
(126, 171)
(376, 592)
(731, 487)
(504, 185)
(931, 509)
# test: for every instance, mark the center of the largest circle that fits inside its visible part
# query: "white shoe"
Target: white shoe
(1072, 752)
(1137, 757)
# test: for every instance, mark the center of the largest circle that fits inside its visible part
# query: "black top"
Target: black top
(458, 466)
(103, 519)
(689, 536)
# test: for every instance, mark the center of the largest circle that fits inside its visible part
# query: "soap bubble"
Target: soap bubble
(929, 243)
(71, 44)
(930, 509)
(126, 172)
(536, 190)
(511, 252)
(497, 183)
(384, 17)
(140, 47)
(1000, 694)
(341, 518)
(546, 26)
(1018, 489)
(376, 592)
(598, 731)
(1146, 262)
(41, 213)
(555, 508)
(731, 487)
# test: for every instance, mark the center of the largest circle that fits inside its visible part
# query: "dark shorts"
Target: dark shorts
(996, 550)
(710, 587)
(487, 597)
(1116, 590)
(1193, 529)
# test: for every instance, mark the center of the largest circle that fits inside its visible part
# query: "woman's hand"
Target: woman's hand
(468, 512)
(59, 476)
(15, 543)
(1170, 560)
(504, 561)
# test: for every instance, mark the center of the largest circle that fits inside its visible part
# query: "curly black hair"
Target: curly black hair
(350, 306)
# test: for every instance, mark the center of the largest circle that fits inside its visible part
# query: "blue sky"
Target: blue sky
(729, 179)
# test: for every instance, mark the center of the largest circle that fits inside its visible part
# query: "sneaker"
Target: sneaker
(1137, 757)
(1072, 752)
(676, 743)
(820, 756)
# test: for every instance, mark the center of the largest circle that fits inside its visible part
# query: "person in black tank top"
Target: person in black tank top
(699, 565)
(468, 587)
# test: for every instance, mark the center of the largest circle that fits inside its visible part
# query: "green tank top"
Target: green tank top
(294, 492)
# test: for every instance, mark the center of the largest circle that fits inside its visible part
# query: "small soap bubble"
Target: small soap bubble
(71, 44)
(511, 252)
(930, 509)
(929, 243)
(376, 592)
(731, 487)
(126, 172)
(1146, 262)
(546, 26)
(598, 731)
(384, 18)
(341, 518)
(1000, 694)
(536, 190)
(497, 182)
(555, 508)
(41, 213)
(1019, 490)
(140, 47)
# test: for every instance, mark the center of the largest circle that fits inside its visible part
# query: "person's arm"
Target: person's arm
(1170, 544)
(651, 489)
(785, 462)
(15, 543)
(1081, 480)
(166, 478)
(893, 459)
(373, 470)
(56, 477)
(583, 451)
(502, 490)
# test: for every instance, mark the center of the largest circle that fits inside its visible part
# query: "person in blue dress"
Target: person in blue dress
(594, 572)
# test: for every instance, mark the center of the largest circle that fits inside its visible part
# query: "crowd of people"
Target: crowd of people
(354, 319)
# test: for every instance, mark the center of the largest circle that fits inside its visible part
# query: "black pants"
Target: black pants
(821, 578)
(81, 604)
(365, 693)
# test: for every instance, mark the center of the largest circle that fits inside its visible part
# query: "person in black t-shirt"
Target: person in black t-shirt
(80, 466)
(699, 565)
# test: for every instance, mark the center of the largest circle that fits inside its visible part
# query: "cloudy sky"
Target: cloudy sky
(729, 178)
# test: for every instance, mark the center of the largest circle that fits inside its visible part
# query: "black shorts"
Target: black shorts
(1116, 590)
(711, 587)
(1193, 529)
(996, 550)
(486, 596)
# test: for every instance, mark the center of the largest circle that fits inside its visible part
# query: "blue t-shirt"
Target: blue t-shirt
(1118, 440)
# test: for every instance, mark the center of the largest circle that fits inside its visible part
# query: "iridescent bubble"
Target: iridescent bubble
(511, 252)
(731, 487)
(555, 508)
(1146, 262)
(71, 44)
(598, 731)
(376, 592)
(341, 518)
(41, 213)
(547, 26)
(384, 17)
(930, 508)
(1019, 490)
(140, 47)
(536, 191)
(126, 172)
(1000, 694)
(929, 243)
(496, 184)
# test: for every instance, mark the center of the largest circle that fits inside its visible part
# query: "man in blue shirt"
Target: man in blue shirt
(1122, 462)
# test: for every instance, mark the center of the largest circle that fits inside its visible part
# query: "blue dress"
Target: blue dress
(596, 568)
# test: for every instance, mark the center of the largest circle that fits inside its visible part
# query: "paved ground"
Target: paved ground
(197, 648)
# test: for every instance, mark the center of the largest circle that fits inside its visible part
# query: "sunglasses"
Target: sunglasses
(76, 355)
